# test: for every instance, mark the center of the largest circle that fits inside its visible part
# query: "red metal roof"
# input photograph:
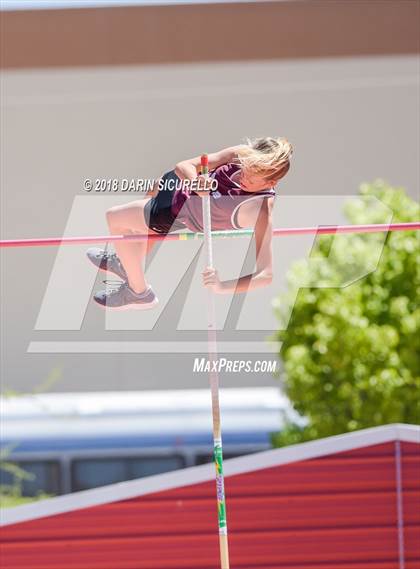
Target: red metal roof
(349, 502)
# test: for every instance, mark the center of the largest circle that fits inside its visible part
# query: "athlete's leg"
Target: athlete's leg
(130, 219)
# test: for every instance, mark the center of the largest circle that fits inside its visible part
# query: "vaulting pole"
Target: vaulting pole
(186, 236)
(214, 380)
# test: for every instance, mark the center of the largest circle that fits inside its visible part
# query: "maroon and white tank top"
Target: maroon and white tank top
(224, 202)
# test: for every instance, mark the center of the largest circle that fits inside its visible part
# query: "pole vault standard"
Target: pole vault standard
(214, 380)
(186, 236)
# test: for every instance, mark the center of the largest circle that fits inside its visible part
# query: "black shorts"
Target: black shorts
(158, 210)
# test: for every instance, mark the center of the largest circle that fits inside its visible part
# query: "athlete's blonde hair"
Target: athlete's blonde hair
(267, 157)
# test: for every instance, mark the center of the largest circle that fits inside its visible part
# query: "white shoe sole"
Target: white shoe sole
(136, 306)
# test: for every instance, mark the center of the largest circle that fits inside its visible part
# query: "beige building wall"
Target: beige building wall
(126, 93)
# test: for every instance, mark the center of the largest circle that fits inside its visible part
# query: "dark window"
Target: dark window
(91, 473)
(44, 477)
(147, 466)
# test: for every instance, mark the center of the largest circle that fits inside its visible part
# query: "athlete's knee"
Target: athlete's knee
(124, 217)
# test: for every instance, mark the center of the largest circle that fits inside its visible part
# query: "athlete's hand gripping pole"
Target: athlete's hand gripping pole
(214, 379)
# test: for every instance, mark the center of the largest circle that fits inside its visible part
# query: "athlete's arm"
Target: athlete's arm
(190, 169)
(263, 274)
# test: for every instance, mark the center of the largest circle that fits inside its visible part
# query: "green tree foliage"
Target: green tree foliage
(351, 355)
(12, 493)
